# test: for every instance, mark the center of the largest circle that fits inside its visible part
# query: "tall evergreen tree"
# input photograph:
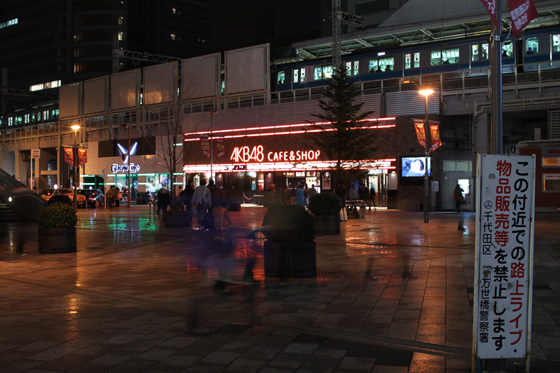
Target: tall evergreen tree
(349, 144)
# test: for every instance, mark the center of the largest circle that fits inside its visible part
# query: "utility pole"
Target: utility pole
(339, 18)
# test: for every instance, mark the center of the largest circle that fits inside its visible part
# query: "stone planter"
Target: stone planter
(290, 259)
(177, 219)
(57, 240)
(327, 224)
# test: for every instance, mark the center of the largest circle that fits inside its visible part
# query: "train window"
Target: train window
(352, 68)
(317, 73)
(444, 57)
(382, 64)
(532, 46)
(556, 43)
(474, 52)
(46, 115)
(19, 120)
(408, 60)
(484, 56)
(281, 78)
(373, 66)
(10, 121)
(416, 60)
(26, 118)
(302, 75)
(327, 72)
(507, 48)
(296, 75)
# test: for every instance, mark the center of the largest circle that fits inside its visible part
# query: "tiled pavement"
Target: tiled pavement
(121, 302)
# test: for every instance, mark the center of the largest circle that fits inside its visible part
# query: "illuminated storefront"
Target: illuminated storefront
(281, 156)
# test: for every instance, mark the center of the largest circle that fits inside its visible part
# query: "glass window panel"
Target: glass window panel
(356, 68)
(449, 56)
(348, 68)
(435, 58)
(474, 53)
(302, 75)
(485, 53)
(550, 162)
(551, 182)
(281, 77)
(532, 46)
(387, 63)
(296, 75)
(407, 61)
(318, 73)
(556, 43)
(416, 60)
(507, 48)
(373, 66)
(327, 72)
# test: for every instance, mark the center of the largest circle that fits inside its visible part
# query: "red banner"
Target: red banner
(490, 6)
(420, 134)
(522, 12)
(205, 145)
(220, 148)
(434, 134)
(82, 157)
(69, 156)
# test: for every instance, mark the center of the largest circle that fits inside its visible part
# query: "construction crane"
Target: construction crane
(339, 18)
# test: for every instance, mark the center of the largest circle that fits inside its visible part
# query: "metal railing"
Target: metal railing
(539, 76)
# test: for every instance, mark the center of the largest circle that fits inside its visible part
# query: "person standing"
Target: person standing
(372, 196)
(458, 197)
(312, 191)
(341, 191)
(300, 195)
(202, 200)
(163, 201)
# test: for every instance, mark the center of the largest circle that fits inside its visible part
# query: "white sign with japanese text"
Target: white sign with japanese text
(505, 215)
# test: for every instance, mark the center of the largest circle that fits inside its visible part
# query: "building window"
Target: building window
(173, 37)
(174, 10)
(532, 46)
(551, 183)
(550, 162)
(444, 57)
(121, 20)
(381, 64)
(281, 78)
(121, 35)
(556, 43)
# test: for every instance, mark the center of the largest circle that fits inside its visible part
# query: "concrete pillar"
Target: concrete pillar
(481, 133)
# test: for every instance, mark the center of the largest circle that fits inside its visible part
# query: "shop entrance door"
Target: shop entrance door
(379, 182)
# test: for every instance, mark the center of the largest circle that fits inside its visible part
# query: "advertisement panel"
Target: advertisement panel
(503, 282)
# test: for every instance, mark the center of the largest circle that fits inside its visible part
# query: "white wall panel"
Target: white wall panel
(95, 95)
(200, 77)
(70, 100)
(247, 70)
(160, 83)
(125, 89)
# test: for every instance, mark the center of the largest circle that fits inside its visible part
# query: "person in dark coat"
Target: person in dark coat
(163, 200)
(341, 191)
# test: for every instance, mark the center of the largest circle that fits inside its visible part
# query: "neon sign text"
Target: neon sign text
(247, 154)
(118, 168)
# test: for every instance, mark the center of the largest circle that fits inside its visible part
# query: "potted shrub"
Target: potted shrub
(325, 207)
(57, 228)
(289, 249)
(177, 216)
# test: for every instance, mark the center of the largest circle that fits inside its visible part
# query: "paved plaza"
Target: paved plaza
(123, 302)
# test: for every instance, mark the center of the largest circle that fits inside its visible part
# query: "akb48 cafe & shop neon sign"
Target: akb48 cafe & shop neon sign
(246, 154)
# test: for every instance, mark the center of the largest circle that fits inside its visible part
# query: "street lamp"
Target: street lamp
(212, 144)
(75, 127)
(426, 93)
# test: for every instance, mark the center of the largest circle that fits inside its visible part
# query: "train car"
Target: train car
(32, 117)
(469, 54)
